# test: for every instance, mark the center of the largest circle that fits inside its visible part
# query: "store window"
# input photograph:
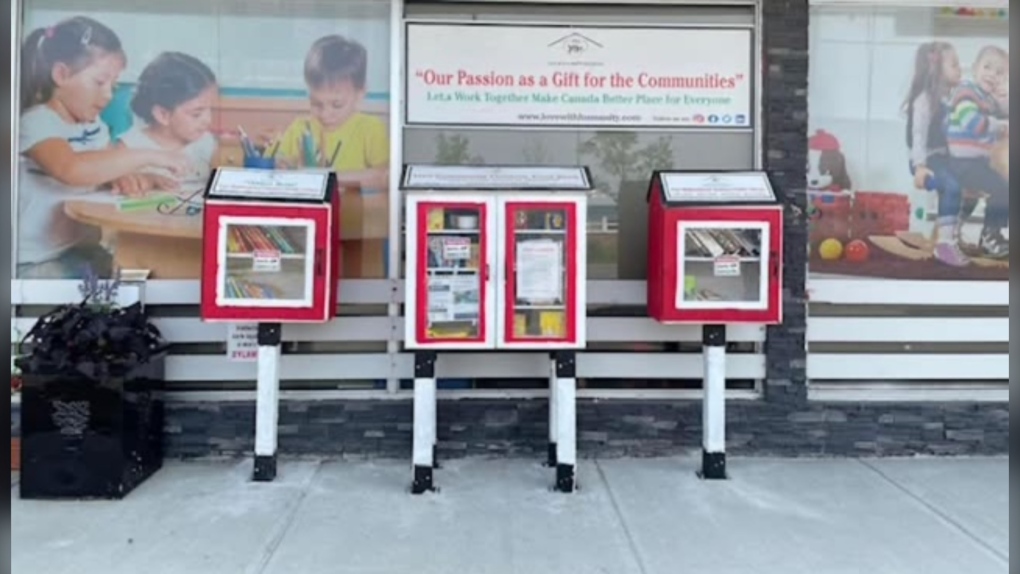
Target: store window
(909, 170)
(622, 157)
(622, 90)
(151, 95)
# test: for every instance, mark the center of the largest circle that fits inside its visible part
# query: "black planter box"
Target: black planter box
(83, 439)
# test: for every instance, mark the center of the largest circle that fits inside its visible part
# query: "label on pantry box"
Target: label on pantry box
(457, 248)
(727, 266)
(266, 261)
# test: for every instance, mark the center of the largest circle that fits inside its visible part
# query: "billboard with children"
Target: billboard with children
(908, 172)
(125, 111)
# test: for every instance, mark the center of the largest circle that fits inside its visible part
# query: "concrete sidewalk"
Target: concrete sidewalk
(647, 516)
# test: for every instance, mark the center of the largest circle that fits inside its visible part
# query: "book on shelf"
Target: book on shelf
(720, 242)
(248, 238)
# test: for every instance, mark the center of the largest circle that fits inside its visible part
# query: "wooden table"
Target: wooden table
(169, 246)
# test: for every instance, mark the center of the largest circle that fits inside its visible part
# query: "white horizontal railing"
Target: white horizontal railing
(380, 328)
(892, 354)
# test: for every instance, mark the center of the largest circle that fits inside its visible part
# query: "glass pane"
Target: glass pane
(722, 264)
(539, 274)
(453, 267)
(886, 200)
(230, 75)
(266, 262)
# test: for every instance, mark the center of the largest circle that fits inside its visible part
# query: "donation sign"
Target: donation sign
(487, 74)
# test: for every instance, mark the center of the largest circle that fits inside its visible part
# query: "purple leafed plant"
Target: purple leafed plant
(95, 338)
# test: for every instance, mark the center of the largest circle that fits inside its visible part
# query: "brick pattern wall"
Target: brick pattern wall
(783, 424)
(785, 44)
(605, 429)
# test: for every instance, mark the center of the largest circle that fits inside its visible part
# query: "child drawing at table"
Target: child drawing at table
(68, 72)
(336, 134)
(174, 99)
(977, 121)
(936, 73)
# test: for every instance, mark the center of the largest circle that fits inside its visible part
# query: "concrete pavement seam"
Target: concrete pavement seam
(940, 514)
(631, 542)
(276, 539)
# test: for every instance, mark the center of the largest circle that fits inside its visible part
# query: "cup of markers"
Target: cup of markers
(255, 155)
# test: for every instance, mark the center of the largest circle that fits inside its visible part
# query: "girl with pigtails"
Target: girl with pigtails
(68, 74)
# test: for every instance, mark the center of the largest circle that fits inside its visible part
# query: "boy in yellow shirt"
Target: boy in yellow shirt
(336, 134)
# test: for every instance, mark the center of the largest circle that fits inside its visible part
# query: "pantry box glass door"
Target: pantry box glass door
(540, 254)
(451, 250)
(266, 262)
(723, 265)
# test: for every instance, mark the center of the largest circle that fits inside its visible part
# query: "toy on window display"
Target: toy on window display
(857, 251)
(829, 184)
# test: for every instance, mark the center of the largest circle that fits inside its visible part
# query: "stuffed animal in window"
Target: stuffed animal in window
(826, 164)
(829, 196)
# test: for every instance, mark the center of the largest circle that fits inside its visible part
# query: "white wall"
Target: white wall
(247, 45)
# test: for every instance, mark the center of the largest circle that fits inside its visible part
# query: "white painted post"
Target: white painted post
(565, 392)
(424, 439)
(551, 456)
(267, 401)
(713, 457)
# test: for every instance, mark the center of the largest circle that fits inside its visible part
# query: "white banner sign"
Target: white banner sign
(486, 74)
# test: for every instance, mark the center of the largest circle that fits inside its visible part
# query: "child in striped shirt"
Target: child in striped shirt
(978, 118)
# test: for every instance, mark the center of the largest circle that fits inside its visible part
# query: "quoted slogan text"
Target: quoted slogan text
(462, 82)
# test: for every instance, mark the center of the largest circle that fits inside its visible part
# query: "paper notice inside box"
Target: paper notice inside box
(727, 266)
(266, 261)
(453, 299)
(539, 270)
(457, 248)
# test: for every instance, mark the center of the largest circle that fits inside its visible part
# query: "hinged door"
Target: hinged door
(542, 268)
(723, 265)
(267, 262)
(449, 250)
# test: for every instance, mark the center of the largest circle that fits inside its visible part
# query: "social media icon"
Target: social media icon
(741, 119)
(713, 119)
(699, 119)
(726, 119)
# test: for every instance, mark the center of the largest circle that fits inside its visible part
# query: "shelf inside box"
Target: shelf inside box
(703, 282)
(540, 231)
(251, 255)
(539, 323)
(454, 270)
(530, 220)
(706, 242)
(245, 284)
(453, 220)
(713, 259)
(286, 240)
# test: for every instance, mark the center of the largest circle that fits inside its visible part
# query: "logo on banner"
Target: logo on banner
(575, 44)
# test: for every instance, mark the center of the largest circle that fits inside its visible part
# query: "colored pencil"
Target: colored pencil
(336, 153)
